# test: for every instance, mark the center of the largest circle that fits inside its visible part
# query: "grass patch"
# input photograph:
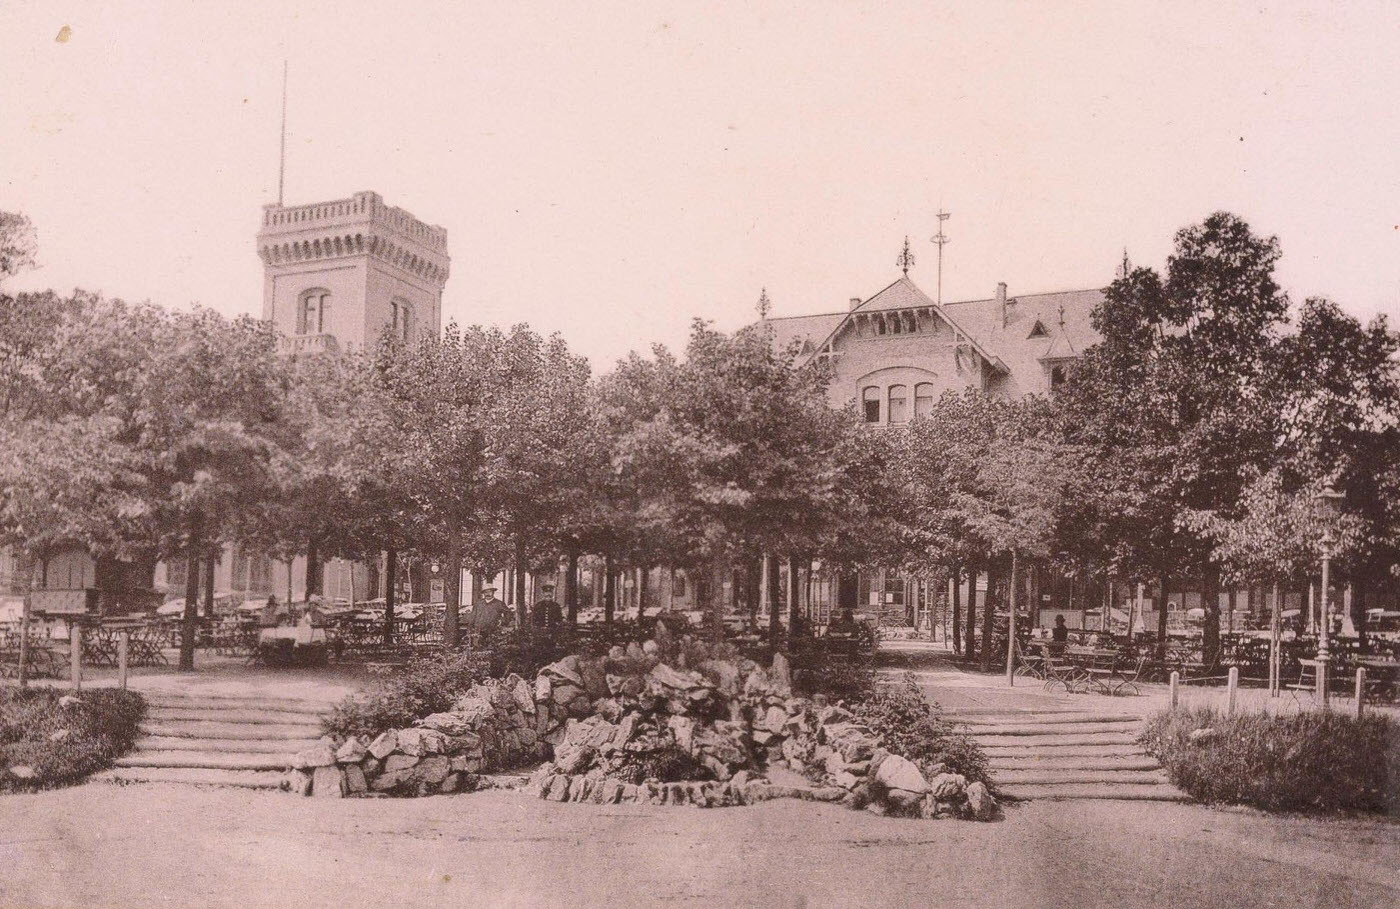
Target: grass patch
(44, 743)
(1314, 761)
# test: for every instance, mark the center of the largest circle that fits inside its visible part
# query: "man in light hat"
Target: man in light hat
(487, 615)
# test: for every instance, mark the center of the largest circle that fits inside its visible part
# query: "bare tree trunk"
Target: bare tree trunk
(189, 625)
(522, 609)
(1275, 633)
(452, 599)
(793, 605)
(988, 617)
(957, 609)
(1011, 621)
(754, 569)
(313, 569)
(571, 587)
(1162, 619)
(211, 559)
(772, 585)
(609, 591)
(1210, 599)
(391, 583)
(970, 639)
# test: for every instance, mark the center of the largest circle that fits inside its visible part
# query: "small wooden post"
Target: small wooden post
(123, 648)
(1175, 681)
(1231, 688)
(1360, 691)
(75, 651)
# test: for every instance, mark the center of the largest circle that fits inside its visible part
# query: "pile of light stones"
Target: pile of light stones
(603, 724)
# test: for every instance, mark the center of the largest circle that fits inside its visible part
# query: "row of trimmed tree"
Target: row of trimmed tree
(1191, 440)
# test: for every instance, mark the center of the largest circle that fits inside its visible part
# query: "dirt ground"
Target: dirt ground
(102, 845)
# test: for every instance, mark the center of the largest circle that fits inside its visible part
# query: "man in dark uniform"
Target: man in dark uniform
(547, 613)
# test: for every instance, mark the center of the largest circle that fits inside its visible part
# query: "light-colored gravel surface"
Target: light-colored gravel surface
(97, 846)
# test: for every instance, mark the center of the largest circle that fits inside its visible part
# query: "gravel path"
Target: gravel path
(101, 845)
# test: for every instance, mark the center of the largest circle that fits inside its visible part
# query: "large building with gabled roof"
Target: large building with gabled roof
(895, 353)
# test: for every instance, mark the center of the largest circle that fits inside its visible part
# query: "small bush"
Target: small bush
(432, 684)
(840, 678)
(1319, 760)
(59, 744)
(424, 686)
(907, 725)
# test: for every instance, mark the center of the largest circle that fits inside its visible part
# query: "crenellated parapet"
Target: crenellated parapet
(359, 226)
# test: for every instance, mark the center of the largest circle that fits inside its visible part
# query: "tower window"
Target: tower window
(402, 320)
(313, 313)
(870, 398)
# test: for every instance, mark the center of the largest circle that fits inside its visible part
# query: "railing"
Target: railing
(308, 344)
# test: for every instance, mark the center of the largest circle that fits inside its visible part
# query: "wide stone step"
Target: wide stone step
(1035, 747)
(1134, 792)
(1053, 729)
(206, 702)
(214, 730)
(1077, 738)
(214, 760)
(1041, 719)
(232, 715)
(230, 746)
(196, 776)
(1044, 762)
(1046, 776)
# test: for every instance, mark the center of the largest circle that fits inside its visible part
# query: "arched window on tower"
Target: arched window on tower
(313, 313)
(870, 399)
(923, 400)
(402, 320)
(899, 404)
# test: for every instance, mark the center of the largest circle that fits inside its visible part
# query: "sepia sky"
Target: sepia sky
(610, 170)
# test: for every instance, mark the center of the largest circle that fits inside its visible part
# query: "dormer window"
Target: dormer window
(1038, 330)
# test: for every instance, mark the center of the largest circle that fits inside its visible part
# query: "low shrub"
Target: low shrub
(425, 686)
(909, 726)
(52, 745)
(431, 684)
(1318, 761)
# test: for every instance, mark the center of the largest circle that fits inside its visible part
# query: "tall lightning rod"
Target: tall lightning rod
(940, 240)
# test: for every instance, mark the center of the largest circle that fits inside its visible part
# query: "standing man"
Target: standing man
(487, 615)
(547, 613)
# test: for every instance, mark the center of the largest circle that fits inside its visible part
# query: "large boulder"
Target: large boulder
(316, 756)
(980, 802)
(906, 784)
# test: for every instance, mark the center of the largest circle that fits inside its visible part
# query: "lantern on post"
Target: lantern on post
(1329, 500)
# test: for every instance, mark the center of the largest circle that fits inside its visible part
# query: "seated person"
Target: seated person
(845, 625)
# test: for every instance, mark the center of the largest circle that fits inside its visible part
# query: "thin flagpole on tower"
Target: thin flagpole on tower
(282, 157)
(940, 240)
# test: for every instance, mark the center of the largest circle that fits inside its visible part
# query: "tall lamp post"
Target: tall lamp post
(1330, 499)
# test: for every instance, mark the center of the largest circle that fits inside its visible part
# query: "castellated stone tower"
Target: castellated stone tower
(336, 275)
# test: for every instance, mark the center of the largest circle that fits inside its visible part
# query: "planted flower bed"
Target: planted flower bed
(682, 723)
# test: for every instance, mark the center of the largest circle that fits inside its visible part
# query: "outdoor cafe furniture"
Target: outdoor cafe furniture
(42, 660)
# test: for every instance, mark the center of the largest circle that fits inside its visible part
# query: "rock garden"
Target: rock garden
(670, 722)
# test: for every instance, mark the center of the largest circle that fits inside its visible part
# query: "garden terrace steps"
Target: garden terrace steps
(225, 746)
(214, 740)
(1067, 754)
(1152, 792)
(214, 760)
(195, 776)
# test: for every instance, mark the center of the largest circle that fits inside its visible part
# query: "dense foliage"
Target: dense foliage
(63, 744)
(1315, 760)
(909, 726)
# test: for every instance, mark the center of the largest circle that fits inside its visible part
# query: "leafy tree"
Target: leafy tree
(17, 244)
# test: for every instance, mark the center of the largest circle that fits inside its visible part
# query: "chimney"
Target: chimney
(1001, 301)
(855, 303)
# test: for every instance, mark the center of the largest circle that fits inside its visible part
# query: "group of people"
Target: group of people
(490, 613)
